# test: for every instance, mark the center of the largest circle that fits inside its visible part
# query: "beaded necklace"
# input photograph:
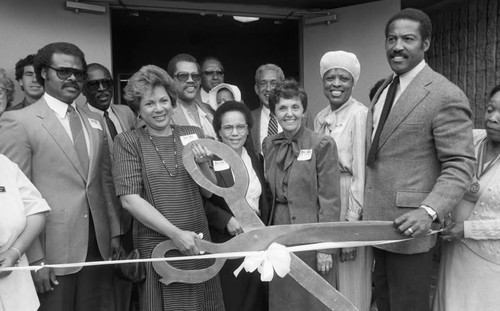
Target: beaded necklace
(161, 158)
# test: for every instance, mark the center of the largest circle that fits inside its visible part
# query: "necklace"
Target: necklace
(161, 158)
(481, 170)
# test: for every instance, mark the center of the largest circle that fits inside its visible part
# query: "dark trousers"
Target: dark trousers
(91, 288)
(402, 282)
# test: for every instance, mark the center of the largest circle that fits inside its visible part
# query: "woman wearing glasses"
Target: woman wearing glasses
(232, 122)
(6, 91)
(156, 189)
(302, 171)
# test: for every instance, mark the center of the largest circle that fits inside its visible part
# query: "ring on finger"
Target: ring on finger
(410, 230)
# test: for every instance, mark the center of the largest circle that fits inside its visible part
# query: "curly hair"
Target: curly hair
(229, 106)
(27, 61)
(8, 85)
(416, 16)
(144, 80)
(43, 58)
(287, 89)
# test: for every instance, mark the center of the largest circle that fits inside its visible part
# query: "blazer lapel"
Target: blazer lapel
(60, 136)
(409, 99)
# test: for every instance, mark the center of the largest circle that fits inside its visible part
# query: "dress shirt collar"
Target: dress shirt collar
(406, 78)
(266, 111)
(59, 107)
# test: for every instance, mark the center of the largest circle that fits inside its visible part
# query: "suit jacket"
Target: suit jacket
(219, 213)
(314, 185)
(425, 154)
(35, 139)
(307, 121)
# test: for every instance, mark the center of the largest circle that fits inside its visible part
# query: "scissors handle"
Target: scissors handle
(170, 274)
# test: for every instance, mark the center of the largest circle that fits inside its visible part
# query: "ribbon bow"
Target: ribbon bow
(288, 149)
(276, 258)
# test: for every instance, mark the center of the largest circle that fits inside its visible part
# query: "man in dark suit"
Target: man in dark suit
(419, 163)
(64, 151)
(99, 91)
(267, 77)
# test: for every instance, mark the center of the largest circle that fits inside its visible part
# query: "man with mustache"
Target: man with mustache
(99, 91)
(189, 110)
(25, 75)
(64, 151)
(212, 74)
(419, 162)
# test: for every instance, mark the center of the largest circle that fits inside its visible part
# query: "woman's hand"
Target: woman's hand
(234, 227)
(453, 231)
(347, 254)
(44, 279)
(201, 154)
(185, 242)
(324, 262)
(8, 259)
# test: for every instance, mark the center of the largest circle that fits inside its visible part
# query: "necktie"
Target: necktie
(78, 138)
(272, 127)
(111, 126)
(389, 100)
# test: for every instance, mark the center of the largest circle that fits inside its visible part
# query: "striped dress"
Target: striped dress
(138, 169)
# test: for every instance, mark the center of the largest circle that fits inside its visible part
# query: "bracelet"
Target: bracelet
(18, 253)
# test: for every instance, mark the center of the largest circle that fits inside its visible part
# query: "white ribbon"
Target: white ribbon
(275, 259)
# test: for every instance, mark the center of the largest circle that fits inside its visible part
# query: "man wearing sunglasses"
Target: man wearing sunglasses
(185, 71)
(63, 149)
(99, 91)
(212, 74)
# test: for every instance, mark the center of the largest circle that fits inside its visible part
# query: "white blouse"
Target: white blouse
(254, 188)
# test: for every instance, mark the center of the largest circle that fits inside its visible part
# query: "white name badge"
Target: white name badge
(95, 124)
(220, 165)
(305, 154)
(186, 139)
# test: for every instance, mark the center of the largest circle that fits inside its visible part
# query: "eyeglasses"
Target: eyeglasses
(264, 83)
(184, 76)
(3, 92)
(64, 73)
(211, 73)
(94, 85)
(240, 128)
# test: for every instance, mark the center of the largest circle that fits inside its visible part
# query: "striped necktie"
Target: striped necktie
(272, 127)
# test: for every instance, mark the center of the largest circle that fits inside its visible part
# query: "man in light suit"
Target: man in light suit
(419, 163)
(64, 151)
(267, 77)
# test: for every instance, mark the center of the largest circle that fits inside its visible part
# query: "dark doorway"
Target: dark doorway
(144, 37)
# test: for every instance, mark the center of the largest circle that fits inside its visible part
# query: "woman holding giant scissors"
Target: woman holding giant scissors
(301, 168)
(156, 189)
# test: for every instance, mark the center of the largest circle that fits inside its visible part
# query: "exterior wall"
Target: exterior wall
(360, 30)
(28, 25)
(465, 48)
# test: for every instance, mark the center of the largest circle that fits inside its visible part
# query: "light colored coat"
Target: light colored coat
(35, 139)
(425, 154)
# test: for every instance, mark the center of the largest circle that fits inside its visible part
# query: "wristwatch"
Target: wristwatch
(430, 211)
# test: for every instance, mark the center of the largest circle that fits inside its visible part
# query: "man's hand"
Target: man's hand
(324, 262)
(44, 280)
(414, 223)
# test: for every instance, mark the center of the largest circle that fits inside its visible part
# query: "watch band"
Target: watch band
(430, 211)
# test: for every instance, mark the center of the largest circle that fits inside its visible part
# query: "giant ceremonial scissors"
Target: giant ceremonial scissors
(257, 236)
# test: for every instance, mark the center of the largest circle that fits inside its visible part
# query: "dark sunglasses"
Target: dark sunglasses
(184, 76)
(94, 85)
(64, 73)
(211, 73)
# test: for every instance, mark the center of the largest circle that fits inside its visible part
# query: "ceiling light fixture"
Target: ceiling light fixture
(79, 6)
(245, 19)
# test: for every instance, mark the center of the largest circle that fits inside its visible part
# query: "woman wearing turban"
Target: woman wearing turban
(344, 119)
